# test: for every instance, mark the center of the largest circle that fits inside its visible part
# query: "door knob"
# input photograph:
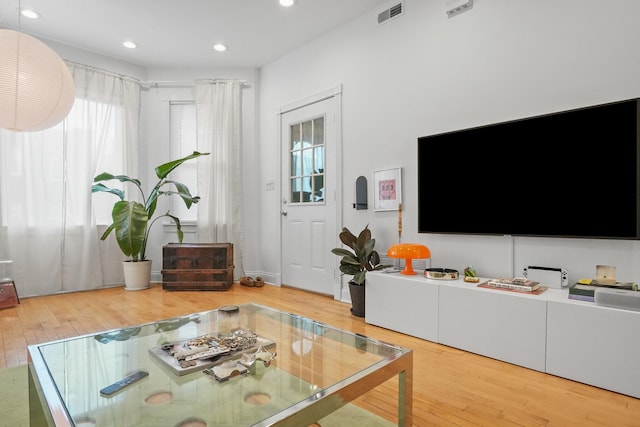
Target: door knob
(283, 213)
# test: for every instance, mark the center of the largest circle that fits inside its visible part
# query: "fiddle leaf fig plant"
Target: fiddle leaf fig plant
(361, 258)
(132, 220)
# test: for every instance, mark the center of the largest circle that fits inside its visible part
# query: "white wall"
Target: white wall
(424, 73)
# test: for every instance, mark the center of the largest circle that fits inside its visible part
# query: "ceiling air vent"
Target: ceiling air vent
(456, 7)
(390, 13)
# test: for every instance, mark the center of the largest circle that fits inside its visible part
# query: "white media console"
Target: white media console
(548, 332)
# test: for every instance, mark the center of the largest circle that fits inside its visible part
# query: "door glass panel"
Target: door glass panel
(307, 132)
(306, 188)
(295, 190)
(295, 163)
(307, 165)
(295, 135)
(318, 131)
(318, 174)
(307, 161)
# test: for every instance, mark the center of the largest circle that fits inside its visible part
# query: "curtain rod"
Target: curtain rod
(153, 84)
(107, 72)
(178, 83)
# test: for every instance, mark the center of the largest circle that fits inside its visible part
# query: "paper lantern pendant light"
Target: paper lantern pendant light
(36, 87)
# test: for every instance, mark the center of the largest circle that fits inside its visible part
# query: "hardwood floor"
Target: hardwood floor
(451, 387)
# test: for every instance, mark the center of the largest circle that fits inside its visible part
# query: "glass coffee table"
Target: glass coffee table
(254, 366)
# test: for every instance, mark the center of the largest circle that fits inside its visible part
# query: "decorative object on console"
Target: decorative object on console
(553, 277)
(470, 275)
(400, 223)
(606, 274)
(617, 285)
(470, 271)
(356, 262)
(409, 252)
(441, 273)
(517, 284)
(537, 291)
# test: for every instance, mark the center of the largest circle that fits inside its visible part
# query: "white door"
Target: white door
(309, 143)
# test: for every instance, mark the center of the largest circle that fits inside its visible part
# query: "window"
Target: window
(109, 157)
(307, 161)
(45, 183)
(182, 143)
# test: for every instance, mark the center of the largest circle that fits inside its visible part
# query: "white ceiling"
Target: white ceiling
(181, 33)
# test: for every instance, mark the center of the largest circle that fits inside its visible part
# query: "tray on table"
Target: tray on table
(197, 354)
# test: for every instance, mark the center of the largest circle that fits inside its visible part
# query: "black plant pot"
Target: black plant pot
(357, 299)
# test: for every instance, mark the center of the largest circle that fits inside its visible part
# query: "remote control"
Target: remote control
(112, 389)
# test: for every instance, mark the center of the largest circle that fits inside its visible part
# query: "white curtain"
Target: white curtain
(219, 118)
(47, 223)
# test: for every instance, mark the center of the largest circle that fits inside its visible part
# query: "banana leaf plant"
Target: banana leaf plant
(361, 258)
(132, 220)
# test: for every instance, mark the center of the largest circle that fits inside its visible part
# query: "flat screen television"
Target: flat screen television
(568, 174)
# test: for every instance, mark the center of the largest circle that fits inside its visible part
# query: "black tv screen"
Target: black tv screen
(568, 174)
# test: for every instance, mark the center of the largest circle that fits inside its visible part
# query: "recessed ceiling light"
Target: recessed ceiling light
(287, 3)
(220, 47)
(29, 13)
(129, 44)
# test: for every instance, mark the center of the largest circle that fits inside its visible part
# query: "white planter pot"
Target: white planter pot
(137, 275)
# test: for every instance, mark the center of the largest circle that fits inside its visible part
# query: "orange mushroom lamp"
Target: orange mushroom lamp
(409, 252)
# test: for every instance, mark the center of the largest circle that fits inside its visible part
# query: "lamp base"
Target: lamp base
(408, 267)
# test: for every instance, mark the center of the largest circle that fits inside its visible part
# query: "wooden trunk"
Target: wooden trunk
(8, 295)
(197, 266)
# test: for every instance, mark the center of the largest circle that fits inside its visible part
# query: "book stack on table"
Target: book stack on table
(582, 292)
(585, 289)
(518, 284)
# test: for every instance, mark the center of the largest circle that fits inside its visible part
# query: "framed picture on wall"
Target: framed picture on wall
(387, 189)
